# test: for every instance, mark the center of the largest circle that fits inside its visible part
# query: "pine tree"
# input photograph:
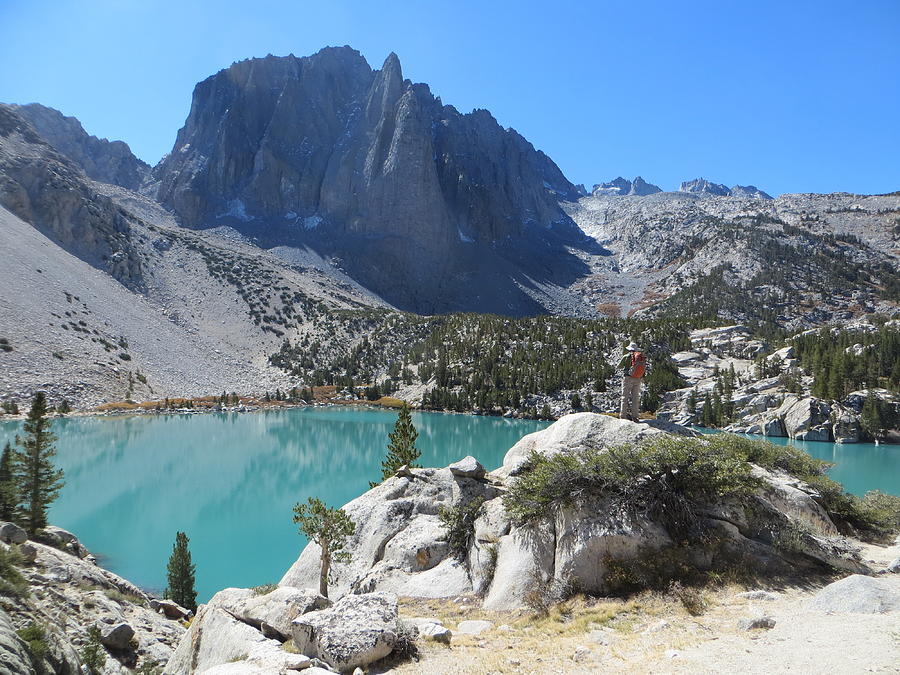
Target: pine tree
(180, 574)
(870, 418)
(37, 480)
(402, 446)
(8, 492)
(327, 527)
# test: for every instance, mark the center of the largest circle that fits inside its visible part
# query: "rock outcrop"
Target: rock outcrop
(400, 545)
(102, 160)
(65, 594)
(414, 196)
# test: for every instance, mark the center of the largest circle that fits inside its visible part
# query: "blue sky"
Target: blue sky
(790, 96)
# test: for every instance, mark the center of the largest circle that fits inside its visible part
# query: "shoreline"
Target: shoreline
(253, 405)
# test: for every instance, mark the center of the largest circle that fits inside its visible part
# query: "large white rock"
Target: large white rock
(356, 631)
(271, 613)
(216, 638)
(398, 537)
(14, 658)
(806, 419)
(858, 594)
(525, 558)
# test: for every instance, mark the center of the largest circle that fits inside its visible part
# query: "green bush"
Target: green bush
(12, 583)
(666, 478)
(459, 523)
(669, 477)
(92, 654)
(34, 636)
(264, 589)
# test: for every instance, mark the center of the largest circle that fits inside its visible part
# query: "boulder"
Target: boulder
(757, 623)
(795, 499)
(473, 626)
(435, 632)
(169, 608)
(14, 657)
(356, 631)
(28, 552)
(216, 638)
(64, 540)
(467, 467)
(117, 636)
(894, 566)
(10, 533)
(271, 613)
(845, 428)
(858, 594)
(758, 595)
(773, 427)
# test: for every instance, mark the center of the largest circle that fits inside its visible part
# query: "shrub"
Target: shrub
(692, 599)
(542, 596)
(665, 478)
(116, 595)
(34, 636)
(459, 523)
(264, 589)
(405, 648)
(668, 477)
(92, 654)
(880, 512)
(12, 583)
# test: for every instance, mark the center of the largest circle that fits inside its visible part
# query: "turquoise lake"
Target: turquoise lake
(230, 481)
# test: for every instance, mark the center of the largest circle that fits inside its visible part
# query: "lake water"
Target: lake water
(230, 481)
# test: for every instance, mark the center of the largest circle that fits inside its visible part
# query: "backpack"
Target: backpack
(638, 364)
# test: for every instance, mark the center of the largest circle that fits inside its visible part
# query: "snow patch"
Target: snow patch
(290, 215)
(236, 209)
(312, 222)
(463, 238)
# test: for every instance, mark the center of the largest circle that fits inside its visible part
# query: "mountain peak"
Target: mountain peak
(705, 187)
(620, 187)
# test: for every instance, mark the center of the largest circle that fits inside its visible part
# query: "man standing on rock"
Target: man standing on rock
(633, 366)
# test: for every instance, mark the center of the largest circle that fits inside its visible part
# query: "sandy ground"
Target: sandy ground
(655, 634)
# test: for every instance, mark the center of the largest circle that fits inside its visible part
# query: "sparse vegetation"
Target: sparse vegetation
(93, 655)
(34, 636)
(12, 583)
(264, 589)
(459, 524)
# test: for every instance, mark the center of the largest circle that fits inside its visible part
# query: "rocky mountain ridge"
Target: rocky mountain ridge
(102, 160)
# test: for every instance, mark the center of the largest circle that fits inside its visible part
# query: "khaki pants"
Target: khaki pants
(631, 397)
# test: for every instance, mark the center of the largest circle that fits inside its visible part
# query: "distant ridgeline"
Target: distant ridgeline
(797, 261)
